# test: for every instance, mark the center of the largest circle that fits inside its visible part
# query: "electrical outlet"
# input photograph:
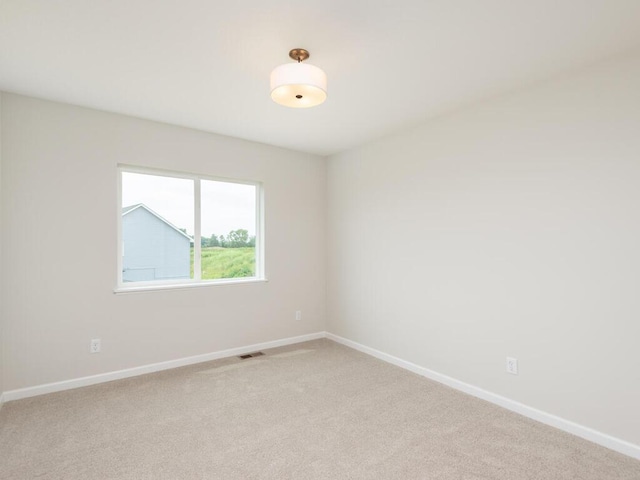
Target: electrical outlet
(298, 315)
(512, 365)
(94, 346)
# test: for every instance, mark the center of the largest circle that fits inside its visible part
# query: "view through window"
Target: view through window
(182, 229)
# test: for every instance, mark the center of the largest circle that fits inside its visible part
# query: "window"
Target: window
(181, 229)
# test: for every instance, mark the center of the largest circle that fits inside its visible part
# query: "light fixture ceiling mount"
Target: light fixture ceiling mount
(298, 54)
(298, 85)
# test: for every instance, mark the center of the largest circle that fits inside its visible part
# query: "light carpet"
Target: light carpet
(315, 410)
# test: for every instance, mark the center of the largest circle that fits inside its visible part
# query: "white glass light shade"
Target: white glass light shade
(298, 85)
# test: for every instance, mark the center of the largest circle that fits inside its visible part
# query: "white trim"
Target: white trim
(154, 367)
(161, 172)
(260, 233)
(197, 245)
(608, 441)
(581, 431)
(151, 287)
(120, 242)
(197, 231)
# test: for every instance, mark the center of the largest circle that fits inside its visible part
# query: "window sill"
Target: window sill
(182, 286)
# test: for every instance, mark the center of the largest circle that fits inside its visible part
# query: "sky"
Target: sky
(225, 206)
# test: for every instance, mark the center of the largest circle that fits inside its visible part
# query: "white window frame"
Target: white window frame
(125, 287)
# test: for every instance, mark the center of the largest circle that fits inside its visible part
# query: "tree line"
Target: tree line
(234, 239)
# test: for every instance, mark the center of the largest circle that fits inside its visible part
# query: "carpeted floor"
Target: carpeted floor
(315, 410)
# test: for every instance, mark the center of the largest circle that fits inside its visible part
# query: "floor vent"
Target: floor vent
(251, 355)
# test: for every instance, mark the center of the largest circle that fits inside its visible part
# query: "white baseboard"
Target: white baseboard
(587, 433)
(154, 367)
(581, 431)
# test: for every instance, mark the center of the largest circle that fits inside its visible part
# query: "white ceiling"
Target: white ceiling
(205, 64)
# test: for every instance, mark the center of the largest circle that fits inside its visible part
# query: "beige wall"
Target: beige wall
(511, 228)
(1, 268)
(59, 212)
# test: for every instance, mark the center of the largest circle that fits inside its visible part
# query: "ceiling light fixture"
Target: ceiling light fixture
(298, 85)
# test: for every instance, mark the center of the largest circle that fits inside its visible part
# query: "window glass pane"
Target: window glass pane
(228, 212)
(157, 227)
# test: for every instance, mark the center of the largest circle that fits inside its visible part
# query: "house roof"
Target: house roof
(131, 208)
(126, 210)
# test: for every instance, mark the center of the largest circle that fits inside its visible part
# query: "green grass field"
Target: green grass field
(227, 262)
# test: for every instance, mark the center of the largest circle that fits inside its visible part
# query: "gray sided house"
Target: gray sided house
(152, 248)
